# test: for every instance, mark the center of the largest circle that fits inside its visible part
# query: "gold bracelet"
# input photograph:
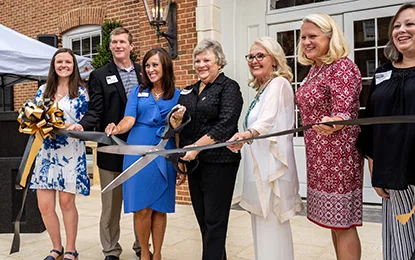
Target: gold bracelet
(252, 135)
(250, 131)
(176, 120)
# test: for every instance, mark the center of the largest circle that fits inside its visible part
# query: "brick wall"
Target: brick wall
(22, 92)
(33, 17)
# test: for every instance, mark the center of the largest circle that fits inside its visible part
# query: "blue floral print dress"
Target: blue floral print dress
(61, 162)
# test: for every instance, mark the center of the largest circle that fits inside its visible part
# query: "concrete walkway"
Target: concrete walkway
(182, 241)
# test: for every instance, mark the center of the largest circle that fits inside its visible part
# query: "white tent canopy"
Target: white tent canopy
(22, 57)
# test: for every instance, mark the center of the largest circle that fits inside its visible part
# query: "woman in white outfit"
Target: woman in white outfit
(270, 190)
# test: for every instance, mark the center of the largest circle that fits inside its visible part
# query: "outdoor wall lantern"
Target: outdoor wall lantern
(160, 12)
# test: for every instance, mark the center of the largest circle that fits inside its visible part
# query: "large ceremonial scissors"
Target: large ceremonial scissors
(144, 150)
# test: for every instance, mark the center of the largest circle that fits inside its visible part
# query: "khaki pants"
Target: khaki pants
(109, 224)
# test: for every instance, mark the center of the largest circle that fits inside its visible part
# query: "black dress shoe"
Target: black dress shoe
(111, 257)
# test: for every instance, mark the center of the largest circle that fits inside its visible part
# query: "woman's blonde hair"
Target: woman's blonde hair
(337, 44)
(274, 49)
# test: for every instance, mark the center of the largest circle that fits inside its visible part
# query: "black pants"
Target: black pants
(211, 188)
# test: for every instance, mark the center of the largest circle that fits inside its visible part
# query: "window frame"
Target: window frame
(79, 33)
(303, 7)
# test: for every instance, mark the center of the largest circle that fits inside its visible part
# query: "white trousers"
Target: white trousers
(272, 239)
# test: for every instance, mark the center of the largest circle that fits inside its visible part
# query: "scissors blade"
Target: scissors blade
(130, 171)
(127, 149)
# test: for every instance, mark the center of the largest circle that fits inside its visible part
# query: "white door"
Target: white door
(287, 35)
(367, 33)
(247, 26)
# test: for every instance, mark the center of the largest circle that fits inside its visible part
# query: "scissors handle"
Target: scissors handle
(169, 131)
(174, 158)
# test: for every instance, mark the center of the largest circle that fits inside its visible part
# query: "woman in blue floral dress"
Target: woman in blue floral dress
(61, 161)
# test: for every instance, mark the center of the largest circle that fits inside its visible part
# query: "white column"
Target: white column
(208, 19)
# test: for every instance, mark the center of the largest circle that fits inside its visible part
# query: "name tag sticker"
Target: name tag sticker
(380, 77)
(186, 91)
(111, 79)
(142, 94)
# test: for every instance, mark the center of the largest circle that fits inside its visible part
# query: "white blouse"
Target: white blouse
(270, 173)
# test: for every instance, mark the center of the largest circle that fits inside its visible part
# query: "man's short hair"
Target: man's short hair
(121, 30)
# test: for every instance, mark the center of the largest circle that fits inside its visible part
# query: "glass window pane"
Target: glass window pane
(299, 123)
(383, 27)
(278, 4)
(381, 57)
(86, 46)
(302, 72)
(365, 60)
(364, 33)
(365, 92)
(295, 87)
(290, 62)
(286, 40)
(297, 32)
(76, 47)
(95, 43)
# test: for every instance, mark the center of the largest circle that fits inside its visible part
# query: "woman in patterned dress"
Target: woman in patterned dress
(61, 162)
(334, 166)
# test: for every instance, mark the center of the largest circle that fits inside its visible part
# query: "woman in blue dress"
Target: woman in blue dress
(150, 194)
(60, 165)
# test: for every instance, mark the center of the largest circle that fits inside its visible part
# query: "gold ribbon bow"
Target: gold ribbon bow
(38, 118)
(404, 218)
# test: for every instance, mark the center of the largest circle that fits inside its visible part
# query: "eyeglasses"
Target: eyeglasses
(259, 57)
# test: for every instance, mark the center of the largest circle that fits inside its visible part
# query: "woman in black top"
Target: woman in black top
(214, 103)
(390, 149)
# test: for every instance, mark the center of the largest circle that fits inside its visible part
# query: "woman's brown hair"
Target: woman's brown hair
(391, 52)
(52, 81)
(168, 74)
